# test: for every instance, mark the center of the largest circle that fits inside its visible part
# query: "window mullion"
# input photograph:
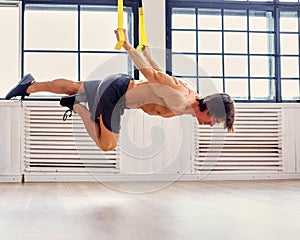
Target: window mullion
(223, 50)
(278, 97)
(197, 52)
(22, 38)
(78, 42)
(248, 56)
(299, 50)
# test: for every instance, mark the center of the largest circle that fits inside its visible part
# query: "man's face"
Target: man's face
(204, 118)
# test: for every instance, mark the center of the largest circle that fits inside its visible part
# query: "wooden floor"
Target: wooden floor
(231, 210)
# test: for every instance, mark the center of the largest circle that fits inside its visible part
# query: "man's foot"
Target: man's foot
(21, 88)
(69, 102)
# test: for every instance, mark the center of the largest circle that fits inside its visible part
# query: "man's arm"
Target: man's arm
(151, 61)
(151, 74)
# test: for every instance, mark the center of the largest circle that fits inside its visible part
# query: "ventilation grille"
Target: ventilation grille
(53, 145)
(254, 147)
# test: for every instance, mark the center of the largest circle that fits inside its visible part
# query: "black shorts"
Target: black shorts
(107, 97)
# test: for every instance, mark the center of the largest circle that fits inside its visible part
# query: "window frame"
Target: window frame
(273, 6)
(129, 4)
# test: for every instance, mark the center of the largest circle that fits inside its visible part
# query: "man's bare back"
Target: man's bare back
(157, 99)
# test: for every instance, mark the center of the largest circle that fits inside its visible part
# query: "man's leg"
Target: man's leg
(58, 86)
(27, 85)
(104, 139)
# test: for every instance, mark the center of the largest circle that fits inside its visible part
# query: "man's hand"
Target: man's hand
(126, 44)
(118, 37)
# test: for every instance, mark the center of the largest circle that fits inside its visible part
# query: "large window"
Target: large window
(250, 51)
(289, 54)
(72, 41)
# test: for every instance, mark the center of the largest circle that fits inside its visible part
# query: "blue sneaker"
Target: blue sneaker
(21, 88)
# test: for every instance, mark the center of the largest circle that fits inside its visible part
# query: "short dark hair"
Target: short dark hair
(220, 106)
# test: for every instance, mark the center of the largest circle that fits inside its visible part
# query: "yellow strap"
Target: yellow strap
(142, 31)
(120, 25)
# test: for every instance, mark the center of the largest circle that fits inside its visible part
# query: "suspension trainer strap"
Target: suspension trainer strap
(142, 28)
(120, 25)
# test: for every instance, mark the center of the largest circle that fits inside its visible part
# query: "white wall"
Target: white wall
(154, 14)
(10, 141)
(154, 145)
(151, 148)
(291, 137)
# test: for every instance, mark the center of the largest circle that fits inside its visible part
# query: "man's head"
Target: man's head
(219, 108)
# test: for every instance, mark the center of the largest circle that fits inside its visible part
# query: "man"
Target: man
(160, 94)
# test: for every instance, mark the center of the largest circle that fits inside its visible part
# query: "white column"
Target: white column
(154, 14)
(10, 141)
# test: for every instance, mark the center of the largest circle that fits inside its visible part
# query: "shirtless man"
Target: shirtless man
(160, 94)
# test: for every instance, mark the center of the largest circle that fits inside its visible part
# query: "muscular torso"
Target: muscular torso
(169, 103)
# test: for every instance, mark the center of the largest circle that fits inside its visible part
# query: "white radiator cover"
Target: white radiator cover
(254, 147)
(264, 145)
(54, 145)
